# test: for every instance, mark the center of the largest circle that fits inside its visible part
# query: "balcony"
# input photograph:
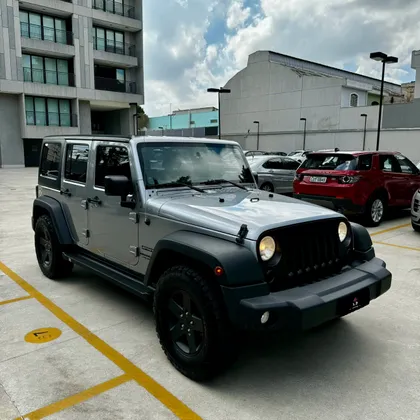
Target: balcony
(49, 77)
(50, 119)
(114, 7)
(115, 48)
(29, 30)
(114, 85)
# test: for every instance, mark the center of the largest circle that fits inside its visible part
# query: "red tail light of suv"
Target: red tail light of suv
(364, 183)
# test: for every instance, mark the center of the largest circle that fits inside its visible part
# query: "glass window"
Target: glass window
(35, 26)
(290, 164)
(65, 113)
(60, 31)
(389, 164)
(40, 114)
(354, 99)
(27, 72)
(100, 39)
(110, 44)
(63, 72)
(24, 24)
(48, 26)
(365, 163)
(53, 114)
(51, 70)
(77, 157)
(119, 7)
(119, 42)
(50, 162)
(37, 69)
(407, 167)
(29, 110)
(334, 162)
(111, 160)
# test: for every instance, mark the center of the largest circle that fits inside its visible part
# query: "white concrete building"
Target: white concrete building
(67, 67)
(278, 90)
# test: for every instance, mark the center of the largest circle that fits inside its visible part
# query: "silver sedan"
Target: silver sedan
(275, 173)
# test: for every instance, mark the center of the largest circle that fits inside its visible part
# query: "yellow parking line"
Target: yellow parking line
(5, 302)
(410, 248)
(76, 399)
(142, 378)
(390, 229)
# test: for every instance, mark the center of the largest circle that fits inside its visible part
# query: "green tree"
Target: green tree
(143, 118)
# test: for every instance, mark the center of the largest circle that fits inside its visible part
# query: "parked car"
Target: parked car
(365, 183)
(192, 234)
(299, 155)
(274, 173)
(415, 211)
(278, 153)
(250, 153)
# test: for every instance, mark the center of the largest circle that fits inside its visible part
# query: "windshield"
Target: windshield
(333, 162)
(191, 163)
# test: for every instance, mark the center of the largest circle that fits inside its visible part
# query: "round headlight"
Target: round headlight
(267, 248)
(342, 231)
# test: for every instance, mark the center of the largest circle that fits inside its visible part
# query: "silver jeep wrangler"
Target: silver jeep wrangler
(181, 223)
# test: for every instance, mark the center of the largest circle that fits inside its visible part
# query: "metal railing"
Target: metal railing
(114, 7)
(49, 77)
(114, 85)
(51, 119)
(101, 44)
(30, 30)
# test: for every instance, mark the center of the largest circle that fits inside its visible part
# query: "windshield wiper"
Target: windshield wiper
(221, 181)
(179, 184)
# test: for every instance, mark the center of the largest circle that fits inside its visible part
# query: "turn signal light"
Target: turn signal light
(348, 179)
(218, 271)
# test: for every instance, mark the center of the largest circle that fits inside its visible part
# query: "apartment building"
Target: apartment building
(67, 67)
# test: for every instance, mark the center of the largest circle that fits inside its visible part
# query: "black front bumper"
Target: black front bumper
(333, 203)
(308, 306)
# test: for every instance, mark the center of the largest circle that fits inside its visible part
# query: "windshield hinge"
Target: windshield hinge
(243, 231)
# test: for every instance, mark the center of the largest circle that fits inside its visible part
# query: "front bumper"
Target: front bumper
(415, 209)
(333, 203)
(306, 307)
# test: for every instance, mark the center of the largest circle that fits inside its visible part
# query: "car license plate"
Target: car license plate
(353, 302)
(319, 179)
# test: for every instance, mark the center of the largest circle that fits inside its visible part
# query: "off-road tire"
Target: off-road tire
(56, 267)
(373, 200)
(267, 186)
(415, 227)
(218, 350)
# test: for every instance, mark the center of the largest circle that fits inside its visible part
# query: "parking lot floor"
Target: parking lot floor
(105, 360)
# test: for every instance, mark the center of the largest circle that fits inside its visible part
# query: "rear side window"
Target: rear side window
(407, 167)
(333, 162)
(273, 164)
(365, 163)
(77, 157)
(290, 164)
(50, 160)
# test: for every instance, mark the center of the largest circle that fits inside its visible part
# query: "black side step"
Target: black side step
(127, 279)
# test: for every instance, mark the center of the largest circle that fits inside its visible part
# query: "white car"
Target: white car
(299, 155)
(415, 209)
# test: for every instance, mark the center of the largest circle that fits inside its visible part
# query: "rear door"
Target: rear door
(289, 170)
(394, 180)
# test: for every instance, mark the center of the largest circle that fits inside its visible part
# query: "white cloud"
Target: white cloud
(180, 64)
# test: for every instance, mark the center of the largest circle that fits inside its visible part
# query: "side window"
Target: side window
(407, 167)
(290, 164)
(77, 156)
(50, 160)
(389, 164)
(111, 160)
(365, 163)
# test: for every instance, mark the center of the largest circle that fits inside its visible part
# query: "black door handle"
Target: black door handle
(65, 192)
(95, 200)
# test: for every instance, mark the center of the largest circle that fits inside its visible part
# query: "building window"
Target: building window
(47, 28)
(354, 99)
(118, 7)
(46, 70)
(213, 121)
(375, 103)
(48, 111)
(108, 40)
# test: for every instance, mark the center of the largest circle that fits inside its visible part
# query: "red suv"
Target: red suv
(364, 183)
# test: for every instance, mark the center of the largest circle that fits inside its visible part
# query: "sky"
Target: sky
(190, 45)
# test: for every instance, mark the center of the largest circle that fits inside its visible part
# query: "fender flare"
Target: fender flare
(362, 242)
(47, 205)
(240, 266)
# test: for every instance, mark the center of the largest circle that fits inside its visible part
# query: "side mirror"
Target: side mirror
(117, 185)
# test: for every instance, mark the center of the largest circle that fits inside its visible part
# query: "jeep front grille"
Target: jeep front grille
(310, 252)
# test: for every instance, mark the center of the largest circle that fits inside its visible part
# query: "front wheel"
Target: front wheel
(375, 210)
(192, 325)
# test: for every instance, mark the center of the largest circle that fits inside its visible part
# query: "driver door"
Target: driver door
(113, 229)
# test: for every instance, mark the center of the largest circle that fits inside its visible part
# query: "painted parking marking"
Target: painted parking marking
(410, 248)
(390, 229)
(42, 335)
(181, 410)
(6, 302)
(76, 399)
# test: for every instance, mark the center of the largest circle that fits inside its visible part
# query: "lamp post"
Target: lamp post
(219, 92)
(384, 58)
(161, 128)
(258, 134)
(304, 133)
(364, 130)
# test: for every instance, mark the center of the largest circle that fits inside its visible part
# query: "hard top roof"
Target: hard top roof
(354, 152)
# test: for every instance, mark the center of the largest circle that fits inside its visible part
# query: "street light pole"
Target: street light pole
(258, 134)
(219, 92)
(304, 133)
(384, 58)
(364, 130)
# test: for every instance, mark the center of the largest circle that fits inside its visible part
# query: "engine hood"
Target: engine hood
(225, 210)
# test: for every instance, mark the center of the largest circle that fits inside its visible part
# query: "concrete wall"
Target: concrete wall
(11, 146)
(85, 121)
(402, 115)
